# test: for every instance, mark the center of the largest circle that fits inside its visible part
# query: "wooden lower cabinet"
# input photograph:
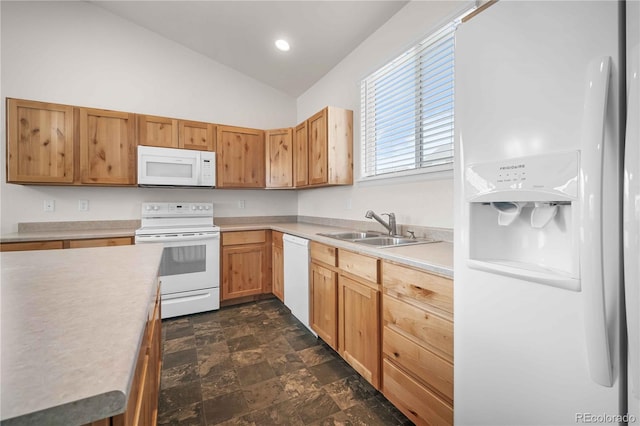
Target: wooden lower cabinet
(99, 242)
(245, 265)
(277, 265)
(60, 244)
(32, 245)
(416, 401)
(359, 327)
(417, 344)
(324, 303)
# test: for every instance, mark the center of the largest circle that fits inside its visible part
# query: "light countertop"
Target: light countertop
(72, 324)
(433, 257)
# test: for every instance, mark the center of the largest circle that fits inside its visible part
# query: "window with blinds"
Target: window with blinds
(407, 110)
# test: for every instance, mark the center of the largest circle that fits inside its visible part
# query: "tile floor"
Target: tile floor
(255, 364)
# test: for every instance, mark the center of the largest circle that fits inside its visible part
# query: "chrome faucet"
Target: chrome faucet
(391, 226)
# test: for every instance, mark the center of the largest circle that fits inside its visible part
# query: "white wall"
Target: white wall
(77, 53)
(418, 200)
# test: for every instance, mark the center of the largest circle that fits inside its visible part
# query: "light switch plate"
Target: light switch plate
(83, 205)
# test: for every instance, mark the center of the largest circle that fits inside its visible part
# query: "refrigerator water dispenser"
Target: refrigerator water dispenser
(523, 218)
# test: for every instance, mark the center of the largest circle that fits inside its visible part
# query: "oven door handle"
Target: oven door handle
(163, 238)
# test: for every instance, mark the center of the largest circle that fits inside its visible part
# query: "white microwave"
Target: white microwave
(176, 167)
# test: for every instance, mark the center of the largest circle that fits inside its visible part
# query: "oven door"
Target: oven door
(189, 261)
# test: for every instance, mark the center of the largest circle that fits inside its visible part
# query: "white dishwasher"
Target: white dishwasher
(296, 277)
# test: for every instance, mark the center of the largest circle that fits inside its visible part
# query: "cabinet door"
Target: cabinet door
(197, 135)
(157, 131)
(107, 147)
(242, 270)
(359, 328)
(324, 304)
(279, 158)
(277, 265)
(300, 156)
(40, 142)
(318, 158)
(240, 159)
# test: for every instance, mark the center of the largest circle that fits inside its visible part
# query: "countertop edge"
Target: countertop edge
(87, 410)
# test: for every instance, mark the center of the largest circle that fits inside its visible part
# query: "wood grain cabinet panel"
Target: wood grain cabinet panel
(32, 245)
(157, 131)
(173, 133)
(240, 158)
(277, 265)
(330, 147)
(323, 253)
(107, 147)
(99, 242)
(419, 287)
(324, 303)
(246, 264)
(359, 328)
(360, 265)
(40, 142)
(300, 156)
(196, 135)
(279, 158)
(417, 402)
(430, 330)
(417, 343)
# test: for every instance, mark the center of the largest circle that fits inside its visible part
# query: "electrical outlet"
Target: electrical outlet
(49, 205)
(83, 205)
(348, 204)
(241, 204)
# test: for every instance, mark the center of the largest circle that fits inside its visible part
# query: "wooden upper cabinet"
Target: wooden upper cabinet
(279, 158)
(300, 155)
(240, 157)
(196, 135)
(40, 142)
(107, 147)
(172, 133)
(157, 131)
(330, 147)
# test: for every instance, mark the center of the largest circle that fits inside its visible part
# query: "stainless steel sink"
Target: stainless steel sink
(353, 235)
(375, 239)
(382, 242)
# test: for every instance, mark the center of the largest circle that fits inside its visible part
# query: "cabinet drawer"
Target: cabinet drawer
(276, 238)
(422, 287)
(422, 363)
(427, 329)
(99, 242)
(418, 403)
(33, 245)
(243, 237)
(360, 265)
(323, 253)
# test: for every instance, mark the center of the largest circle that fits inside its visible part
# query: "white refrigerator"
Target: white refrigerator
(547, 210)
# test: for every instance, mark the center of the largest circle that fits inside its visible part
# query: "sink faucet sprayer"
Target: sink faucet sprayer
(391, 226)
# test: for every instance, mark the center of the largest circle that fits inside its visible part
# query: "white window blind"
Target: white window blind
(407, 109)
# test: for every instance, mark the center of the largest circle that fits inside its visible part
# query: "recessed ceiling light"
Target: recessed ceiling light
(282, 45)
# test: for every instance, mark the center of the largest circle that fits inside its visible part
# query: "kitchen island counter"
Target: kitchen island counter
(72, 325)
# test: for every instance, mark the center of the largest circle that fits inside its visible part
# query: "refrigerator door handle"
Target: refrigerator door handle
(591, 224)
(631, 230)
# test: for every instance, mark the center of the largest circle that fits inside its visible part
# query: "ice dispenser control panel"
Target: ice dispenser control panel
(551, 177)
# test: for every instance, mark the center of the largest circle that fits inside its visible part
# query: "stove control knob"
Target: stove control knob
(156, 208)
(199, 207)
(148, 208)
(193, 207)
(206, 207)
